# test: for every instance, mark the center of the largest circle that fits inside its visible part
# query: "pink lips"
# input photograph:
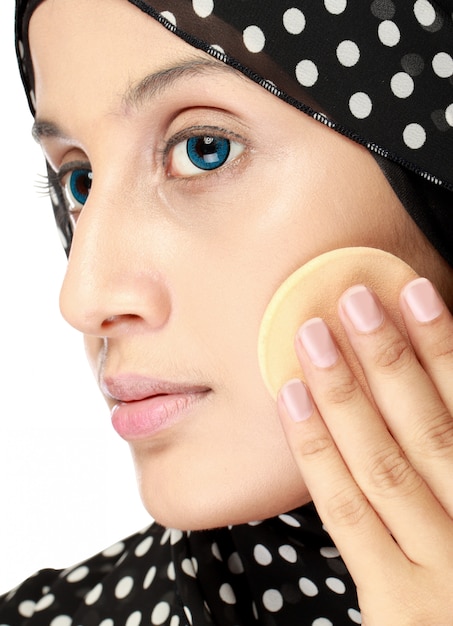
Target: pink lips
(146, 406)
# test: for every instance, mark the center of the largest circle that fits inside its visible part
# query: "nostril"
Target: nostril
(115, 320)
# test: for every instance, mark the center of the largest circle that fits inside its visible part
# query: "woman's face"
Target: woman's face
(172, 266)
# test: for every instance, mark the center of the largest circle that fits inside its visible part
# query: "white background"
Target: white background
(67, 485)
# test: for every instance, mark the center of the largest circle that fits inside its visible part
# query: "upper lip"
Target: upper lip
(131, 387)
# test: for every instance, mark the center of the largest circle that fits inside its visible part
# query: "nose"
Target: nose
(114, 282)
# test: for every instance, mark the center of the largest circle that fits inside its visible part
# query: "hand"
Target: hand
(379, 467)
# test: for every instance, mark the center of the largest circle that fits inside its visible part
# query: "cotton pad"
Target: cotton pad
(313, 291)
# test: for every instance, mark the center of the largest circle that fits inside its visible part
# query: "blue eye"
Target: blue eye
(77, 187)
(202, 153)
(208, 153)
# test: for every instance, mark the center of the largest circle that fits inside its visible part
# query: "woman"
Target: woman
(189, 183)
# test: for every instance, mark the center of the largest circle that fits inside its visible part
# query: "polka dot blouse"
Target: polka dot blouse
(283, 571)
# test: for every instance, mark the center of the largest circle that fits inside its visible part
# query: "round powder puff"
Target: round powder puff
(313, 291)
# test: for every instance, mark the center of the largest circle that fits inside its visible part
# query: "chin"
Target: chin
(203, 509)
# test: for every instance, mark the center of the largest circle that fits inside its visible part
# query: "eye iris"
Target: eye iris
(80, 185)
(208, 153)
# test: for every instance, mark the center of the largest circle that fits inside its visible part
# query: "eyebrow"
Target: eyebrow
(147, 88)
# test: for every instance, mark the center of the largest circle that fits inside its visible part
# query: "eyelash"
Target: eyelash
(236, 146)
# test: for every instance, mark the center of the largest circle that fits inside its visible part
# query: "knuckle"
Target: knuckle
(389, 470)
(436, 436)
(394, 356)
(347, 508)
(343, 390)
(441, 349)
(316, 445)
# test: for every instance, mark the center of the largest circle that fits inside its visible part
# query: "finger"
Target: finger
(430, 327)
(376, 462)
(403, 390)
(346, 513)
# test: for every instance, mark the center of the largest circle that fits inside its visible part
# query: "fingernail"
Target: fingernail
(362, 309)
(422, 300)
(317, 341)
(296, 400)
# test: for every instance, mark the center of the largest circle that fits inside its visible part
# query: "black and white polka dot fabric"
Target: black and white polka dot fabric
(281, 572)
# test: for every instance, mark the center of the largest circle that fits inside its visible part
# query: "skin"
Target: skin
(170, 273)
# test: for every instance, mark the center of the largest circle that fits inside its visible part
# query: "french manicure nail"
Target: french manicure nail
(317, 341)
(362, 309)
(296, 400)
(422, 300)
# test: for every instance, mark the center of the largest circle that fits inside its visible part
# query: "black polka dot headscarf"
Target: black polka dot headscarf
(378, 71)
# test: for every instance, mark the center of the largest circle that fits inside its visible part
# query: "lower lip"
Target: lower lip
(145, 418)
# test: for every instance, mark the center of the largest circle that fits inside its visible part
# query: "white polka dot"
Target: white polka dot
(335, 584)
(188, 615)
(402, 85)
(272, 600)
(124, 587)
(308, 587)
(388, 33)
(20, 47)
(354, 616)
(360, 105)
(45, 602)
(77, 574)
(414, 136)
(33, 98)
(255, 523)
(175, 536)
(122, 558)
(216, 552)
(160, 613)
(149, 577)
(443, 65)
(134, 619)
(226, 593)
(307, 75)
(168, 15)
(335, 6)
(289, 520)
(235, 564)
(288, 553)
(254, 39)
(322, 621)
(449, 114)
(64, 620)
(27, 608)
(171, 571)
(348, 53)
(188, 568)
(165, 537)
(217, 48)
(203, 8)
(329, 552)
(143, 546)
(93, 595)
(174, 621)
(107, 622)
(424, 12)
(294, 21)
(114, 550)
(262, 555)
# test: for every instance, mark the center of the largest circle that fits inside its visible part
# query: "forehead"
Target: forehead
(97, 49)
